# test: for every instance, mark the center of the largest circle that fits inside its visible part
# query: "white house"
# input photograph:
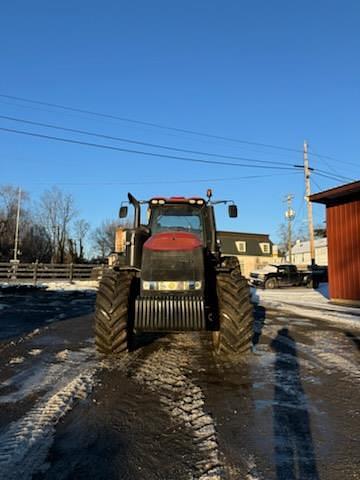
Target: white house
(300, 252)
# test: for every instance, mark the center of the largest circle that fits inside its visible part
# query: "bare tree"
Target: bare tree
(57, 210)
(34, 243)
(81, 229)
(104, 238)
(283, 238)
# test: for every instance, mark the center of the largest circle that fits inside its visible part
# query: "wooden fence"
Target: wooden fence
(12, 272)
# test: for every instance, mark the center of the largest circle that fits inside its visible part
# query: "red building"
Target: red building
(343, 232)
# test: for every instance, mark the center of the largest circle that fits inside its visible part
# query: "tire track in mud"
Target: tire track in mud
(168, 372)
(24, 444)
(42, 374)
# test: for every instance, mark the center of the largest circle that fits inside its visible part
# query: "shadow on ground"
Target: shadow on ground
(23, 310)
(294, 449)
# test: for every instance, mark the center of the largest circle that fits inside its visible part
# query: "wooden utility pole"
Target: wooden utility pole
(309, 204)
(290, 215)
(16, 245)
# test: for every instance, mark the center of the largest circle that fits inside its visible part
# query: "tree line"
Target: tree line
(50, 230)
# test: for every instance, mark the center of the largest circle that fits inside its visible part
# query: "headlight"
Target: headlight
(172, 286)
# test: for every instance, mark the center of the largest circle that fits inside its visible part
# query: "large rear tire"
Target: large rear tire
(113, 330)
(235, 315)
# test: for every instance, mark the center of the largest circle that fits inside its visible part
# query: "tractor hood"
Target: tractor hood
(173, 257)
(172, 241)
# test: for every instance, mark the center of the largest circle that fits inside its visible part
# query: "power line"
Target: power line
(149, 124)
(160, 182)
(138, 152)
(331, 169)
(316, 184)
(332, 159)
(331, 177)
(165, 127)
(137, 142)
(299, 211)
(335, 175)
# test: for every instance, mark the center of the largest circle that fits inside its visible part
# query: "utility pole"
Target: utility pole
(16, 245)
(307, 170)
(290, 215)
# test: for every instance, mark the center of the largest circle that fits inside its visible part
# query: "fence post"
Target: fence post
(71, 272)
(14, 268)
(35, 271)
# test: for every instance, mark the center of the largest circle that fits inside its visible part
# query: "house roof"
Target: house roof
(333, 195)
(253, 240)
(260, 236)
(304, 247)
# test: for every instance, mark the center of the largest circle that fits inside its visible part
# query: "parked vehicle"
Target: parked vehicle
(170, 276)
(285, 275)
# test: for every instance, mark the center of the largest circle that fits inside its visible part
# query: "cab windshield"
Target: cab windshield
(179, 218)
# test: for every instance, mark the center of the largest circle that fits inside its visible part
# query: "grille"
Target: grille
(169, 314)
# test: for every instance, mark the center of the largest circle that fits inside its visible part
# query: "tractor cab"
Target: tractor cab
(177, 214)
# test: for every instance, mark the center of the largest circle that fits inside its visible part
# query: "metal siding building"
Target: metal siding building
(343, 232)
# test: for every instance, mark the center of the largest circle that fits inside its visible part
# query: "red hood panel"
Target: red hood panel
(173, 241)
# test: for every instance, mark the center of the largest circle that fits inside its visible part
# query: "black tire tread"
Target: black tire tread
(111, 312)
(235, 313)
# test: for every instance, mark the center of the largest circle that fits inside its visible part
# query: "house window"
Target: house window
(241, 246)
(265, 248)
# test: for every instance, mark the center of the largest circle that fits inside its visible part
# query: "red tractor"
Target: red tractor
(171, 277)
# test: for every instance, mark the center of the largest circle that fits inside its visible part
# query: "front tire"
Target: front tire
(271, 283)
(113, 330)
(235, 315)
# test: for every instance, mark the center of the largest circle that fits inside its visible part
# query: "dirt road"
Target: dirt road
(171, 411)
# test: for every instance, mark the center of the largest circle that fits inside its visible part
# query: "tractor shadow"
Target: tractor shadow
(294, 450)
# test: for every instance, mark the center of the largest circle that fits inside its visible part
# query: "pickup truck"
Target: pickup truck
(284, 275)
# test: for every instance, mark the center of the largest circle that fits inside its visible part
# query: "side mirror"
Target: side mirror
(233, 213)
(123, 212)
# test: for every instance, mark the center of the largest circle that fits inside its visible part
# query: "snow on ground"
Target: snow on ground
(24, 444)
(80, 285)
(307, 303)
(16, 360)
(76, 285)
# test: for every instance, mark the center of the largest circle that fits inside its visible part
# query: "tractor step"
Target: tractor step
(173, 313)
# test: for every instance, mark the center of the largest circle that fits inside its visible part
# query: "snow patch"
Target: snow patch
(311, 304)
(79, 285)
(16, 360)
(63, 355)
(35, 352)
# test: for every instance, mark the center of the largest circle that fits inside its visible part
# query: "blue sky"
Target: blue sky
(272, 72)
